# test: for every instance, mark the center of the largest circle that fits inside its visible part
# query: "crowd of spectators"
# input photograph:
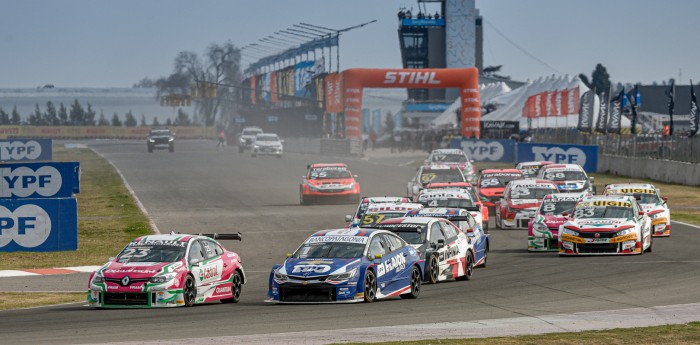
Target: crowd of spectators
(406, 14)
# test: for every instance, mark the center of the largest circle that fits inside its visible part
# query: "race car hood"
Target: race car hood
(317, 267)
(134, 269)
(331, 183)
(491, 192)
(520, 204)
(601, 224)
(564, 186)
(551, 221)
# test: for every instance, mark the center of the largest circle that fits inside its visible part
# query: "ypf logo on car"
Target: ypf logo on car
(18, 150)
(29, 226)
(23, 182)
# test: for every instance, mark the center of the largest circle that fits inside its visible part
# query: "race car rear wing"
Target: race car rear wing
(235, 236)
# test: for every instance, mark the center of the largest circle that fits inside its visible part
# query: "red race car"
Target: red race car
(492, 182)
(329, 182)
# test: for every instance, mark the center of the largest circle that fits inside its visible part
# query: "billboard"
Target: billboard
(38, 225)
(583, 155)
(487, 150)
(39, 180)
(303, 71)
(18, 150)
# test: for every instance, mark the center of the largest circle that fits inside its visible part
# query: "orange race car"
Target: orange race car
(329, 182)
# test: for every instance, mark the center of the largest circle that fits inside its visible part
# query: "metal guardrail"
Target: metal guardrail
(676, 148)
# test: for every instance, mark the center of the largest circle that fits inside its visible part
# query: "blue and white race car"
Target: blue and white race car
(347, 265)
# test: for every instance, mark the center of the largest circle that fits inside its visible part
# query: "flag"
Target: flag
(616, 108)
(694, 118)
(634, 102)
(585, 112)
(670, 93)
(601, 124)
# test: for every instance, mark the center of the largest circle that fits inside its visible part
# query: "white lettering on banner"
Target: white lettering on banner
(23, 181)
(352, 119)
(472, 109)
(421, 78)
(348, 109)
(352, 90)
(468, 100)
(558, 155)
(17, 150)
(28, 225)
(481, 150)
(353, 100)
(397, 263)
(476, 91)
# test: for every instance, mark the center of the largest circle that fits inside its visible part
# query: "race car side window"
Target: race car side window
(196, 253)
(449, 231)
(376, 247)
(212, 249)
(436, 233)
(394, 242)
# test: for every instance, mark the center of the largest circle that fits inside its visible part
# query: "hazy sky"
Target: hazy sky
(94, 43)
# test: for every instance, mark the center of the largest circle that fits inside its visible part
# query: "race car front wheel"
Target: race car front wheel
(370, 287)
(189, 291)
(415, 285)
(236, 285)
(433, 269)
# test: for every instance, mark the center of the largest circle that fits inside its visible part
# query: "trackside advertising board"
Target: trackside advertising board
(18, 150)
(486, 150)
(38, 225)
(583, 155)
(39, 180)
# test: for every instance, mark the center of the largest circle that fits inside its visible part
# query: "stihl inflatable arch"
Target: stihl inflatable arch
(466, 79)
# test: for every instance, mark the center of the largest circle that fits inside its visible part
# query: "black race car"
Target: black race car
(160, 138)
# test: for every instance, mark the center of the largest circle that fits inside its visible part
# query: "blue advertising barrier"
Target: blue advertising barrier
(18, 150)
(38, 225)
(487, 150)
(423, 22)
(434, 107)
(583, 155)
(39, 180)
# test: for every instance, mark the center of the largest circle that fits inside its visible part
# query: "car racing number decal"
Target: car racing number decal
(135, 253)
(548, 207)
(491, 182)
(317, 174)
(554, 175)
(584, 212)
(373, 218)
(427, 177)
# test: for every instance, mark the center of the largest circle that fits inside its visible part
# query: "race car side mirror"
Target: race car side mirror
(355, 176)
(664, 198)
(591, 178)
(641, 213)
(289, 255)
(348, 218)
(111, 259)
(564, 214)
(440, 243)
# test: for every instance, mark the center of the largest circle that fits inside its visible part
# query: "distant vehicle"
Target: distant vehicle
(267, 144)
(160, 138)
(530, 169)
(328, 182)
(520, 201)
(543, 230)
(473, 191)
(432, 174)
(247, 137)
(492, 182)
(604, 225)
(347, 265)
(651, 201)
(453, 198)
(454, 158)
(172, 270)
(366, 202)
(569, 178)
(377, 213)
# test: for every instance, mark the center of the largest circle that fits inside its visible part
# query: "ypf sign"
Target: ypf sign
(40, 180)
(38, 225)
(18, 150)
(584, 155)
(488, 150)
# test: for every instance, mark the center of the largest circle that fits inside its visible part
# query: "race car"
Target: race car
(247, 137)
(445, 250)
(160, 138)
(169, 271)
(347, 265)
(478, 200)
(480, 240)
(543, 230)
(520, 201)
(569, 178)
(454, 198)
(530, 169)
(267, 144)
(455, 158)
(606, 225)
(380, 212)
(329, 182)
(648, 197)
(366, 201)
(432, 174)
(492, 182)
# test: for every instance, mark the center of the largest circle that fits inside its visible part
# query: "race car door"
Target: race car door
(389, 266)
(452, 249)
(221, 286)
(476, 233)
(206, 267)
(439, 241)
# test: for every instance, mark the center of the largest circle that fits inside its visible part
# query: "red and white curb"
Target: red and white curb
(47, 271)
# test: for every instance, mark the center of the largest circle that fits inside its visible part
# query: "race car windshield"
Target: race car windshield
(565, 175)
(530, 193)
(371, 219)
(160, 132)
(330, 250)
(151, 253)
(603, 212)
(328, 174)
(557, 208)
(490, 181)
(647, 198)
(252, 132)
(530, 171)
(450, 203)
(412, 237)
(449, 158)
(441, 176)
(267, 138)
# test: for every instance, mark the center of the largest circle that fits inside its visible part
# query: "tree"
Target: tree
(15, 119)
(103, 120)
(145, 83)
(169, 122)
(35, 118)
(130, 120)
(50, 117)
(492, 71)
(115, 120)
(62, 115)
(156, 123)
(89, 117)
(389, 123)
(143, 120)
(182, 119)
(77, 114)
(4, 117)
(600, 79)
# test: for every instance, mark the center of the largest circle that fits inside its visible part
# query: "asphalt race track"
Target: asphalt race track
(196, 189)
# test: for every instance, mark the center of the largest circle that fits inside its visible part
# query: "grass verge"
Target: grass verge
(108, 217)
(668, 334)
(14, 300)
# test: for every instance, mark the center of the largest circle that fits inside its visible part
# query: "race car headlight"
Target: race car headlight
(171, 139)
(98, 279)
(313, 188)
(623, 232)
(539, 227)
(570, 232)
(342, 277)
(163, 278)
(350, 186)
(151, 140)
(256, 147)
(279, 277)
(241, 140)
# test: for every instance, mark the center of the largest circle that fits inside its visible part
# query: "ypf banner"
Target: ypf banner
(487, 150)
(583, 155)
(18, 150)
(40, 180)
(38, 225)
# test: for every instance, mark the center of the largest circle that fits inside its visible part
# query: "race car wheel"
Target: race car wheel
(252, 155)
(485, 226)
(189, 291)
(486, 256)
(370, 287)
(433, 269)
(236, 285)
(171, 148)
(240, 149)
(302, 201)
(415, 285)
(651, 244)
(469, 270)
(150, 149)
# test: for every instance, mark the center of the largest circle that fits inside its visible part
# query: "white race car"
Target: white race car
(379, 212)
(606, 225)
(452, 198)
(648, 197)
(366, 201)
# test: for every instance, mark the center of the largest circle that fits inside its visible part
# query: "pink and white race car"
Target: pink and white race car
(169, 271)
(543, 230)
(520, 201)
